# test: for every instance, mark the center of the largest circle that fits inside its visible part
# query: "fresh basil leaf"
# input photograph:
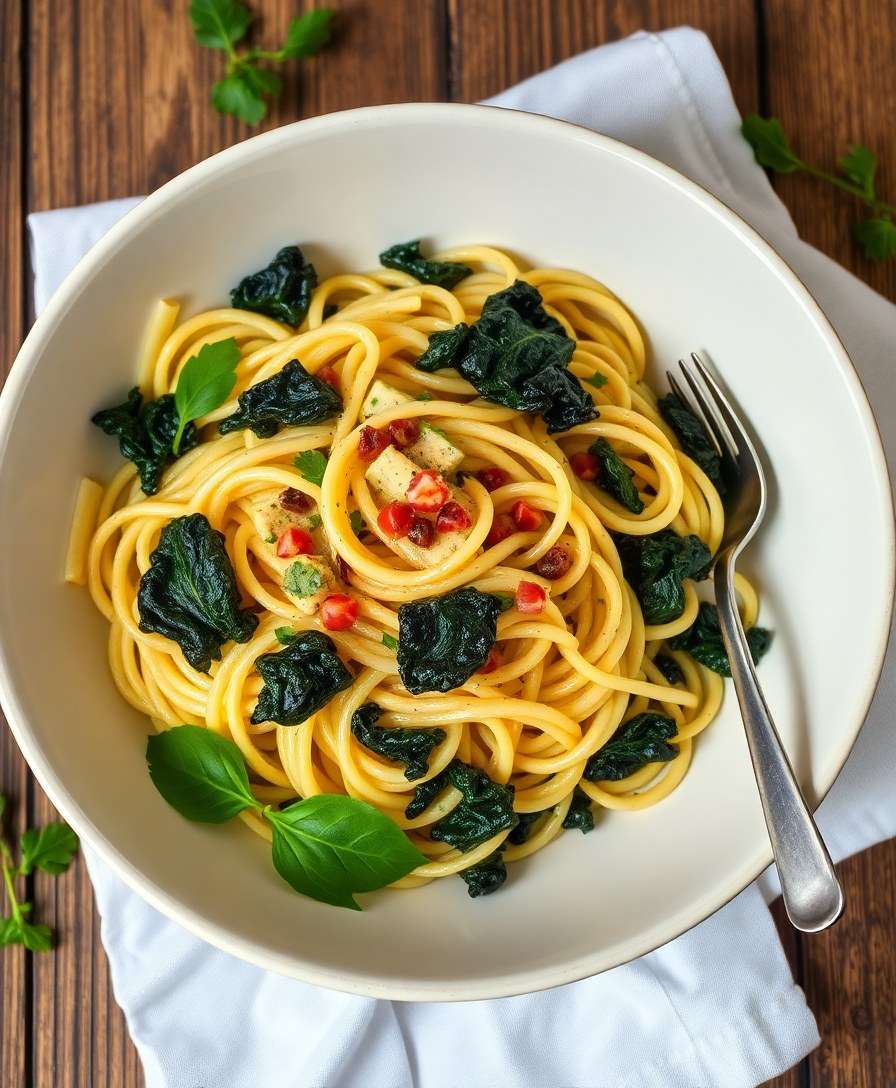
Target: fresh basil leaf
(299, 680)
(770, 146)
(442, 641)
(389, 642)
(307, 33)
(329, 847)
(199, 773)
(302, 579)
(189, 593)
(281, 290)
(693, 437)
(146, 434)
(670, 668)
(580, 815)
(655, 566)
(641, 740)
(236, 95)
(485, 810)
(50, 849)
(284, 635)
(486, 877)
(859, 164)
(291, 398)
(703, 641)
(412, 747)
(517, 355)
(219, 24)
(615, 477)
(312, 464)
(206, 381)
(877, 237)
(406, 257)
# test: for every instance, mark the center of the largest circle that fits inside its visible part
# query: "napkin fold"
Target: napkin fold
(716, 1007)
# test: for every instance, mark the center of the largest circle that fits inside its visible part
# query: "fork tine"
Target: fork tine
(704, 394)
(693, 405)
(729, 417)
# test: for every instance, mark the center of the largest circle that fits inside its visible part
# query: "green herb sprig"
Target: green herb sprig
(857, 168)
(205, 383)
(50, 849)
(249, 82)
(327, 847)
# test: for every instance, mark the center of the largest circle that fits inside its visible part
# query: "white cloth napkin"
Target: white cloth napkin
(717, 1006)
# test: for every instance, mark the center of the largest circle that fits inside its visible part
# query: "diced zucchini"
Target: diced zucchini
(381, 397)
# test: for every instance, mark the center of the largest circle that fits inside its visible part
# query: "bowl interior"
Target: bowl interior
(345, 187)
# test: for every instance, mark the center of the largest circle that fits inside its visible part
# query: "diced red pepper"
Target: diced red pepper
(338, 612)
(428, 491)
(395, 519)
(502, 527)
(492, 478)
(493, 660)
(585, 465)
(526, 517)
(452, 518)
(294, 541)
(422, 532)
(328, 374)
(372, 442)
(530, 598)
(404, 432)
(554, 563)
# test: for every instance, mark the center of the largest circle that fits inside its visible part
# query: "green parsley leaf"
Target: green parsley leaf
(307, 34)
(50, 849)
(236, 95)
(859, 164)
(597, 379)
(312, 464)
(284, 635)
(390, 642)
(36, 938)
(770, 146)
(877, 237)
(205, 382)
(315, 521)
(219, 24)
(505, 601)
(302, 580)
(272, 539)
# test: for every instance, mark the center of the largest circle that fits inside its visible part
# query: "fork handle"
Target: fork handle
(812, 894)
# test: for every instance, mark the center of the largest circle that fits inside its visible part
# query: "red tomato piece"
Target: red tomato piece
(422, 533)
(530, 598)
(502, 527)
(328, 374)
(492, 478)
(338, 612)
(452, 518)
(428, 491)
(585, 465)
(554, 563)
(293, 542)
(404, 432)
(526, 517)
(372, 442)
(395, 519)
(297, 502)
(493, 660)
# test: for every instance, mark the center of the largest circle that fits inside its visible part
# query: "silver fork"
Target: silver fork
(812, 894)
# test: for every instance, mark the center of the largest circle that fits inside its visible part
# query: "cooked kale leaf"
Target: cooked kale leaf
(580, 816)
(694, 440)
(486, 877)
(413, 747)
(654, 567)
(281, 290)
(642, 739)
(425, 794)
(145, 434)
(442, 641)
(703, 641)
(189, 593)
(616, 478)
(525, 826)
(406, 257)
(517, 355)
(670, 668)
(486, 809)
(299, 680)
(290, 398)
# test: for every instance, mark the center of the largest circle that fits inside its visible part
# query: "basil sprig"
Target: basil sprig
(327, 847)
(205, 383)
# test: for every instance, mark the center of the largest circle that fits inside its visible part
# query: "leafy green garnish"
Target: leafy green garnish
(486, 809)
(412, 747)
(389, 641)
(189, 593)
(654, 567)
(442, 641)
(877, 234)
(282, 289)
(517, 355)
(146, 434)
(597, 379)
(670, 668)
(302, 579)
(285, 635)
(326, 847)
(424, 396)
(406, 257)
(526, 822)
(312, 464)
(290, 398)
(703, 641)
(206, 381)
(643, 739)
(505, 601)
(357, 522)
(220, 24)
(616, 478)
(315, 521)
(487, 876)
(50, 849)
(580, 815)
(299, 680)
(694, 440)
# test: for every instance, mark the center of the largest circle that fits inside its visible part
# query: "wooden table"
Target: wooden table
(106, 98)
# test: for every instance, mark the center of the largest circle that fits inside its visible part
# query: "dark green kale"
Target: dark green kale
(282, 290)
(580, 816)
(654, 567)
(299, 680)
(615, 477)
(670, 668)
(290, 398)
(189, 593)
(486, 877)
(442, 641)
(525, 826)
(486, 809)
(413, 747)
(703, 641)
(425, 794)
(694, 440)
(145, 434)
(406, 257)
(517, 355)
(642, 739)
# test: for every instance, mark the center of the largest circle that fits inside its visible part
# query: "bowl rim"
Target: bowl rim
(66, 296)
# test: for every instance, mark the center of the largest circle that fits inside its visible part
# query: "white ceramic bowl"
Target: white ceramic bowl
(345, 186)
